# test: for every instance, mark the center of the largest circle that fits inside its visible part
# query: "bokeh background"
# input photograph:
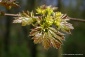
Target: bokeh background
(15, 40)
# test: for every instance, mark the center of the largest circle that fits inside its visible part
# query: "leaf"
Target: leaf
(58, 34)
(24, 18)
(66, 27)
(55, 43)
(46, 41)
(35, 31)
(37, 38)
(9, 3)
(56, 31)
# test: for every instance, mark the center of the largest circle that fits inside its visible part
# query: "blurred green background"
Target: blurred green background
(15, 40)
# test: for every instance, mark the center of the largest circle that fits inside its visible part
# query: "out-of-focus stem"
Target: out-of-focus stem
(6, 14)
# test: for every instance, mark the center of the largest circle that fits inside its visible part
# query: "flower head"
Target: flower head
(49, 26)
